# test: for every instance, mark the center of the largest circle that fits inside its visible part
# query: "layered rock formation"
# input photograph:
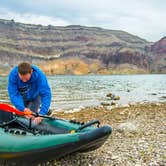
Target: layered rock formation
(158, 56)
(78, 49)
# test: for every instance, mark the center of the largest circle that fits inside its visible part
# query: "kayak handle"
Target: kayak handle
(43, 116)
(89, 124)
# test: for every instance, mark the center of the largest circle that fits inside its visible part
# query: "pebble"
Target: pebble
(114, 157)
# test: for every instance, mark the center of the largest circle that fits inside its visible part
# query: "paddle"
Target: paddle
(9, 108)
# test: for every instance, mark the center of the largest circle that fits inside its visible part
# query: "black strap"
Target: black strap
(89, 124)
(27, 128)
(8, 123)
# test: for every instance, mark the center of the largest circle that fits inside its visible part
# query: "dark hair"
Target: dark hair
(24, 68)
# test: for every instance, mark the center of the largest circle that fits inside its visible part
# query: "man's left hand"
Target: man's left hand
(37, 120)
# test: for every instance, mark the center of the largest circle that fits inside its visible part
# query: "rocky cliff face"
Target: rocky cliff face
(159, 47)
(75, 49)
(157, 54)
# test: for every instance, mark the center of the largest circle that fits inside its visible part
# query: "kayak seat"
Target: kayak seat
(42, 128)
(48, 129)
(5, 117)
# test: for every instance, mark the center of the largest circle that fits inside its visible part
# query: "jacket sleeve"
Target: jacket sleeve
(45, 94)
(14, 94)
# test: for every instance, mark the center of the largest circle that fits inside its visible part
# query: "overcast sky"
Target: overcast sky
(144, 18)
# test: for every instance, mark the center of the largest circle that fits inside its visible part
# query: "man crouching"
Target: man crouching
(28, 89)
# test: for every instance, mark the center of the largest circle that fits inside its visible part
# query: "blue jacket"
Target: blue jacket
(26, 91)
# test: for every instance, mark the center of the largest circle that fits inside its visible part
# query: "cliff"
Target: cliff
(77, 49)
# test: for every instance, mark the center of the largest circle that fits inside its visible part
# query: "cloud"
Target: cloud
(143, 18)
(32, 18)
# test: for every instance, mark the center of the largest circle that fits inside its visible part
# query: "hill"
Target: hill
(77, 49)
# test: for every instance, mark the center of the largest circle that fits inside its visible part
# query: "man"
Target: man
(28, 89)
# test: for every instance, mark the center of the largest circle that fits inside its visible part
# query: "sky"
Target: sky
(143, 18)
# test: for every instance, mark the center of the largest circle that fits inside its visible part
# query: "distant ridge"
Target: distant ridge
(79, 49)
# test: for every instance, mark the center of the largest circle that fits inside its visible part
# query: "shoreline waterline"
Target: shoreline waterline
(77, 92)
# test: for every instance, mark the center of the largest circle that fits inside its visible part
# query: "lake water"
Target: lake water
(76, 92)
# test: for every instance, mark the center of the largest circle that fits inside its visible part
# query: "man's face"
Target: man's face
(25, 77)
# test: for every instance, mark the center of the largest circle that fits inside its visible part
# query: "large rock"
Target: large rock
(130, 127)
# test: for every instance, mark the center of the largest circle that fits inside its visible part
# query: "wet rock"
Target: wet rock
(163, 97)
(153, 94)
(113, 97)
(116, 98)
(105, 104)
(109, 95)
(113, 103)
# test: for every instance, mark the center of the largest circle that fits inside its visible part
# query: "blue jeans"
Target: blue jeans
(33, 105)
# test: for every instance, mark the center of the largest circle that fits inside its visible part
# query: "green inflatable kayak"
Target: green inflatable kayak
(22, 140)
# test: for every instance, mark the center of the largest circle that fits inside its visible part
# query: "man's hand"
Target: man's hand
(28, 113)
(37, 120)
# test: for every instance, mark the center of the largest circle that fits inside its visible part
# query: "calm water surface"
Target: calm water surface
(74, 92)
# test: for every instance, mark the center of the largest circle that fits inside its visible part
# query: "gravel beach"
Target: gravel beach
(138, 138)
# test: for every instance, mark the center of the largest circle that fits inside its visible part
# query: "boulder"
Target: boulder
(116, 98)
(127, 127)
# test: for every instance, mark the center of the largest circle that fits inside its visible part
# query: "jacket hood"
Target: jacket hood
(35, 74)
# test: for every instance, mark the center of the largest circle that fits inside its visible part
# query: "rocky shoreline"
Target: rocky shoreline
(138, 138)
